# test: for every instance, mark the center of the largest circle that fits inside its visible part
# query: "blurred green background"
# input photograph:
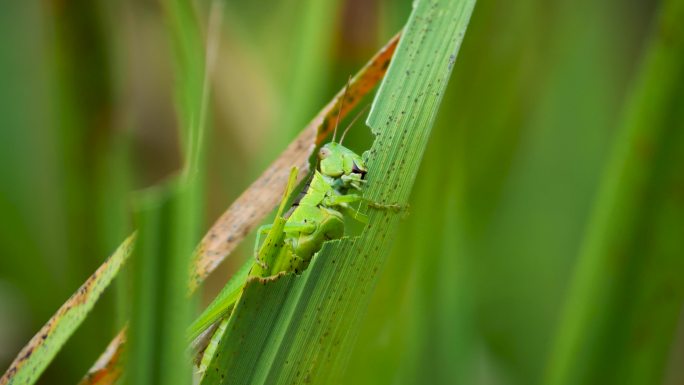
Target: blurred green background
(476, 288)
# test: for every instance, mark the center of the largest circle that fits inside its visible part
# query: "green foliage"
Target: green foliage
(523, 259)
(160, 310)
(612, 319)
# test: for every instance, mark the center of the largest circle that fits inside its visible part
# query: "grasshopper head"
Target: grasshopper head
(338, 161)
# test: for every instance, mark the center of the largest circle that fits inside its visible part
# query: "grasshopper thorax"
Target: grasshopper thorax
(341, 163)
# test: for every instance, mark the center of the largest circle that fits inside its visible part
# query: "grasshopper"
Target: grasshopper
(316, 216)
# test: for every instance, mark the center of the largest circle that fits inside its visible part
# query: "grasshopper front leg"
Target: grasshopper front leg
(261, 231)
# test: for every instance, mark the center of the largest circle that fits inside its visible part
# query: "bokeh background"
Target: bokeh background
(475, 288)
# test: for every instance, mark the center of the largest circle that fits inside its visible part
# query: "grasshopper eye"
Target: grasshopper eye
(324, 153)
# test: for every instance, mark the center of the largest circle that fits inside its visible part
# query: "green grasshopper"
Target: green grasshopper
(316, 216)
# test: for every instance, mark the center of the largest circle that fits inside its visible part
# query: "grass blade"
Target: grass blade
(161, 311)
(43, 347)
(295, 329)
(588, 344)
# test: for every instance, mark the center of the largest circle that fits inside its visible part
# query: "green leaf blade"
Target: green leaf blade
(39, 352)
(301, 329)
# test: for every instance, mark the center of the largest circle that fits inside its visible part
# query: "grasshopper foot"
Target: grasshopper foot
(392, 207)
(261, 263)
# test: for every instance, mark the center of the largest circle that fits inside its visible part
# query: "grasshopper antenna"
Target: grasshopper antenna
(339, 112)
(352, 122)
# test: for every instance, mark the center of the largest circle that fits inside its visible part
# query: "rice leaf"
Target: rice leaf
(296, 329)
